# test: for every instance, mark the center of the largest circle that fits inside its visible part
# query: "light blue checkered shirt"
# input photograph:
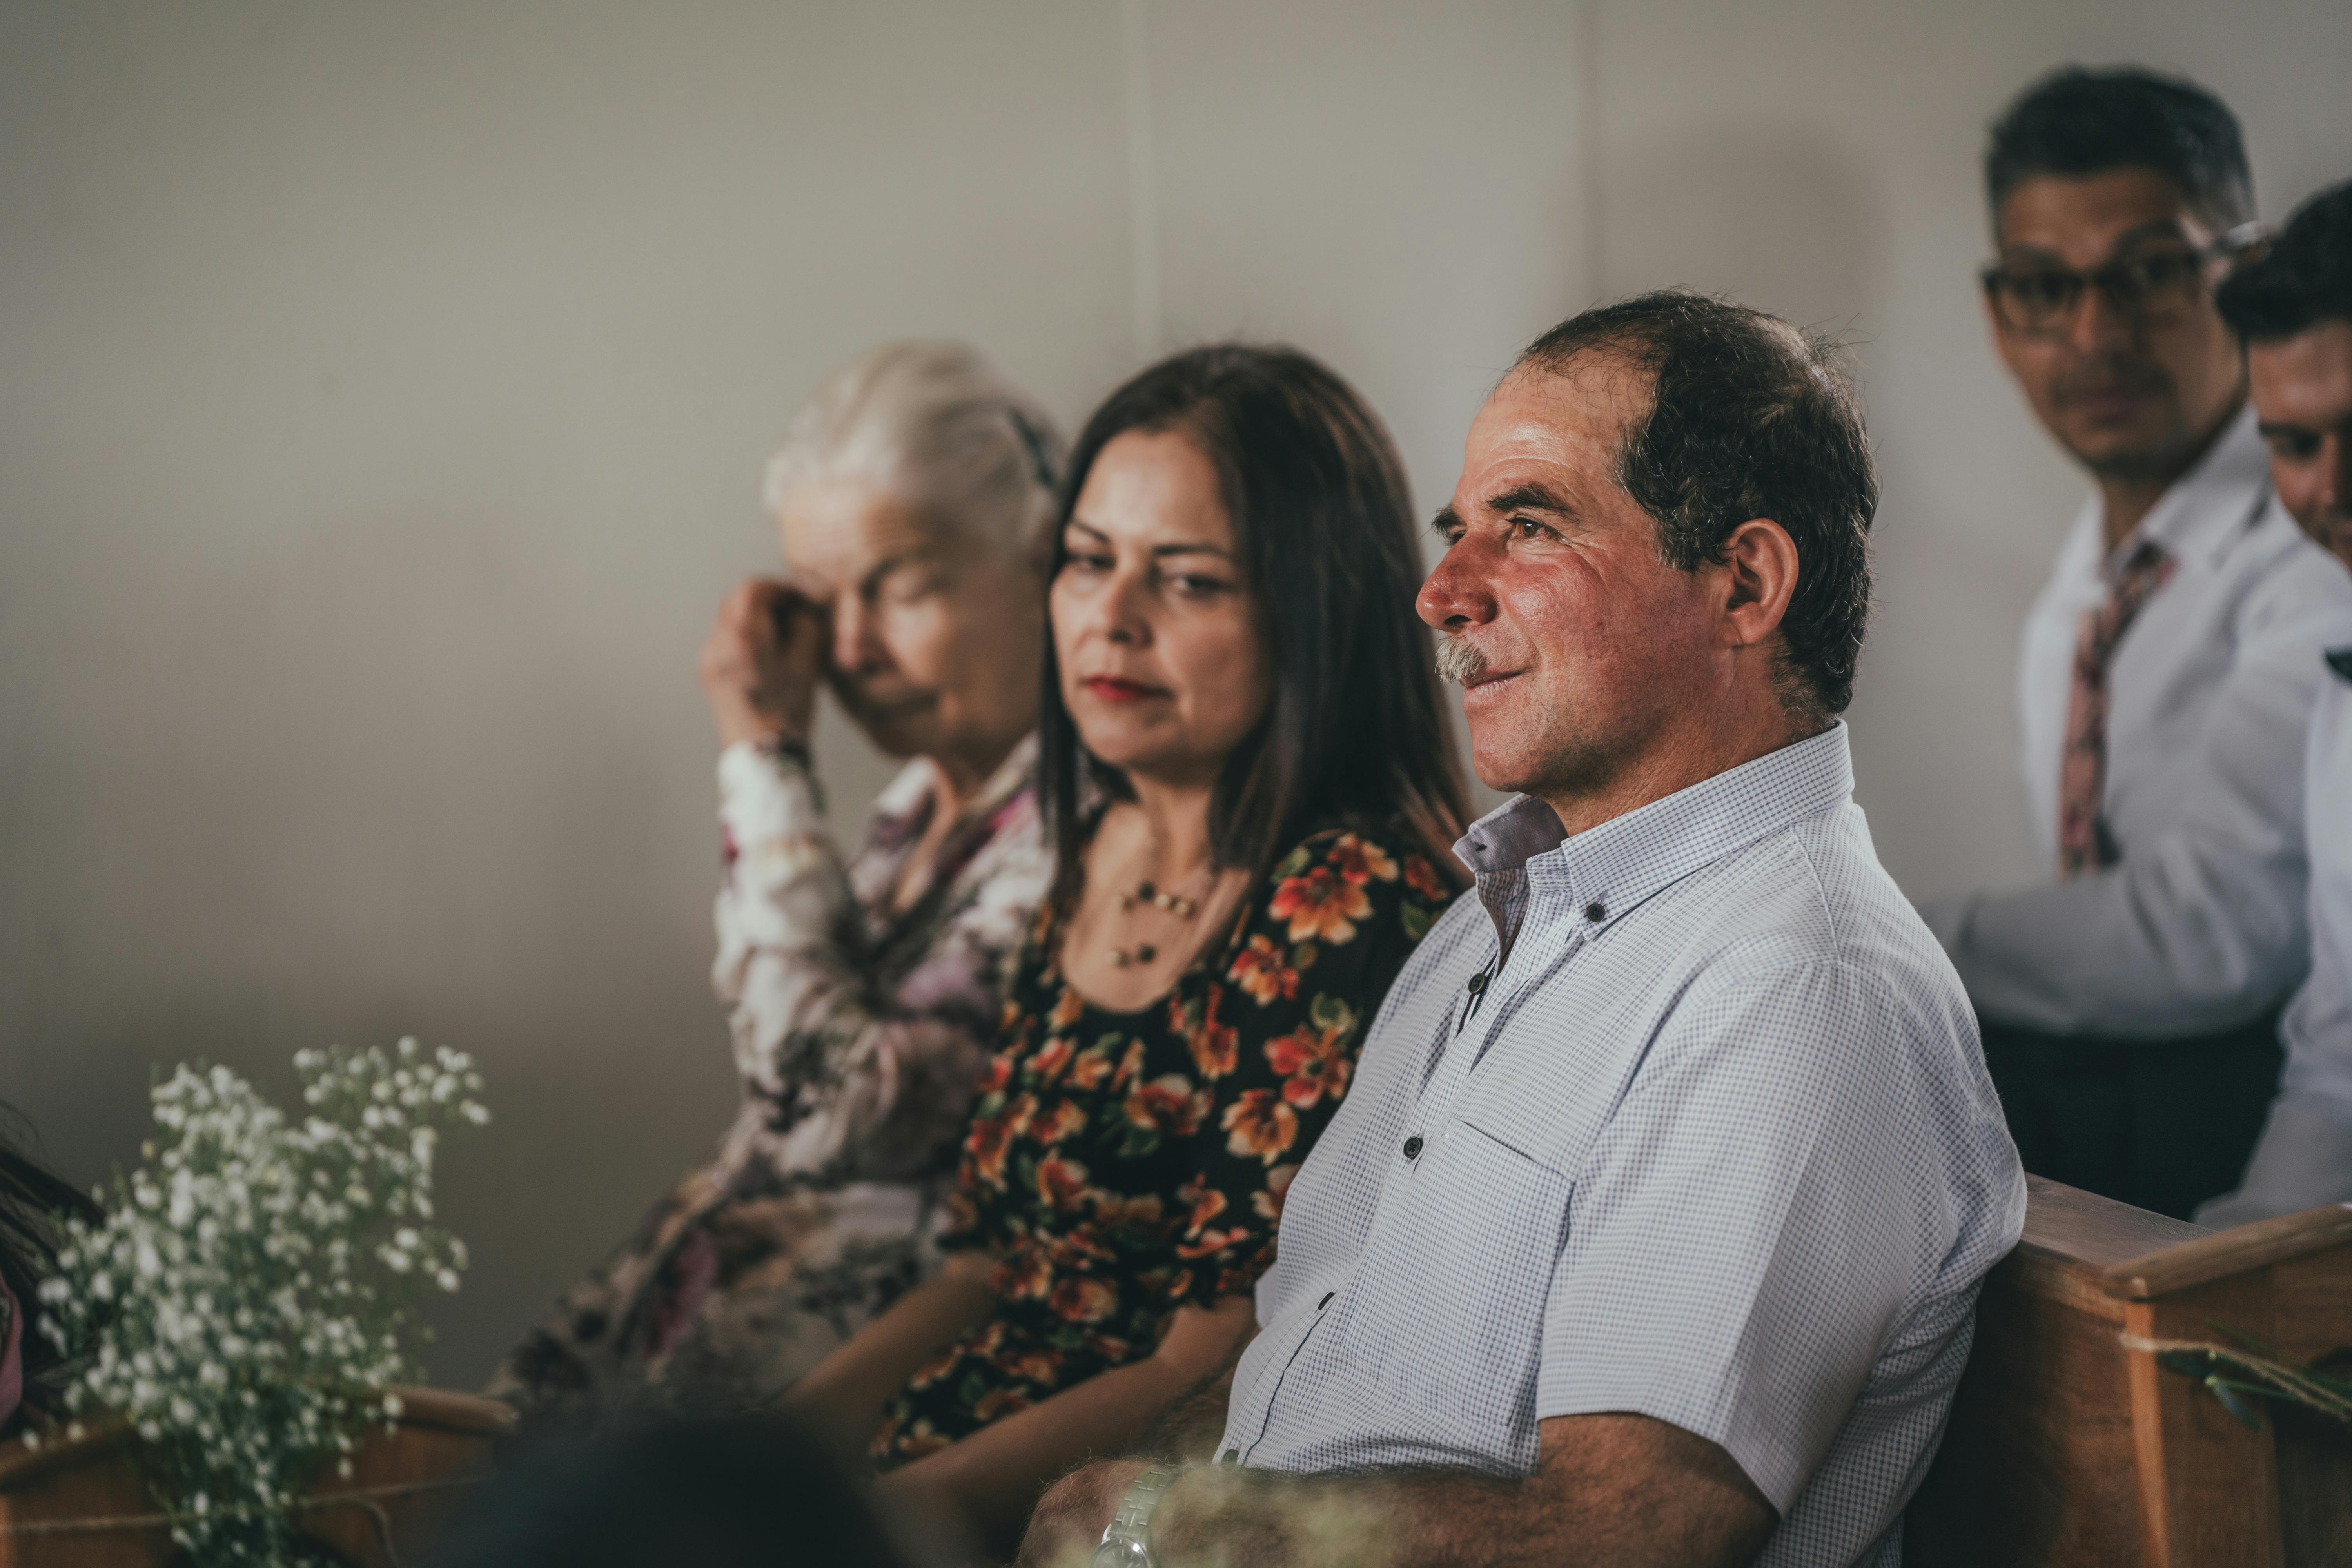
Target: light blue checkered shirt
(1714, 1143)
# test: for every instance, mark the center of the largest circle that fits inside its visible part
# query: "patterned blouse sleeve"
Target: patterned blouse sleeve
(848, 1083)
(1274, 1039)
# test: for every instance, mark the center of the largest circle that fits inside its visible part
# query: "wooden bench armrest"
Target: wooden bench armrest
(2217, 1254)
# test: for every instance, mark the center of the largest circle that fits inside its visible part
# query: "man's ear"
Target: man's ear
(1760, 570)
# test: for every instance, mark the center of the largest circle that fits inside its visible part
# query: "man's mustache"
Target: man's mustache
(1459, 660)
(2111, 374)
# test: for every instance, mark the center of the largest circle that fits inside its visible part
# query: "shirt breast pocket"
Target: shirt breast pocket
(1447, 1311)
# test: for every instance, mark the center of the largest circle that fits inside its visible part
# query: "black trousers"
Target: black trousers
(2160, 1125)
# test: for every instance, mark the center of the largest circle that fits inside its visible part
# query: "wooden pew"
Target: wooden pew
(2068, 1449)
(54, 1499)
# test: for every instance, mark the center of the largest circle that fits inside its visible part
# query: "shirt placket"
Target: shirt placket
(1469, 1028)
(1483, 1011)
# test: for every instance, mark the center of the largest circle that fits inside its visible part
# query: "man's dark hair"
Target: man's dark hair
(2304, 277)
(1748, 418)
(2074, 123)
(1356, 728)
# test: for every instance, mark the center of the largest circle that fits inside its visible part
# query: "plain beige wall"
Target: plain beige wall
(383, 392)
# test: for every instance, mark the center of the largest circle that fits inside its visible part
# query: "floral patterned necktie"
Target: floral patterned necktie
(2084, 842)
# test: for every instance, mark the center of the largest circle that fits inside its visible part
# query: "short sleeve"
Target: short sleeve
(1747, 1234)
(1274, 1037)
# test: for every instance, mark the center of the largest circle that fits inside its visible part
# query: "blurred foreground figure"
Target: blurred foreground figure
(737, 1492)
(2294, 308)
(2168, 668)
(915, 495)
(1651, 1226)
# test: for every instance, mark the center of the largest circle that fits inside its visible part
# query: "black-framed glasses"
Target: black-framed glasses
(2154, 286)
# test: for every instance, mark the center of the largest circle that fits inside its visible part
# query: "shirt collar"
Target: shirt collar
(1613, 867)
(2205, 507)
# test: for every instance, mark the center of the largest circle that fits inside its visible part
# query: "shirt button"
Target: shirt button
(1412, 1148)
(1477, 983)
(1596, 913)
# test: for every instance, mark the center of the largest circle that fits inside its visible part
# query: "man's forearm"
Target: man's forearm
(2122, 954)
(1626, 1491)
(1070, 1518)
(1218, 1517)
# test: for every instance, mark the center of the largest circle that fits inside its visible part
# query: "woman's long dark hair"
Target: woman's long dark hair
(1356, 728)
(31, 1203)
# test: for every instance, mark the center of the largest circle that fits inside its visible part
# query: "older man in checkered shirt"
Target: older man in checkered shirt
(1651, 1227)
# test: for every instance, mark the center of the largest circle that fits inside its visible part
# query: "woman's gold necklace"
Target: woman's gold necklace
(1147, 896)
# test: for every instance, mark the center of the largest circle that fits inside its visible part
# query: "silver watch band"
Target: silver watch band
(1127, 1541)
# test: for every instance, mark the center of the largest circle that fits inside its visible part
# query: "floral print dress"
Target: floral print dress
(1122, 1164)
(859, 1034)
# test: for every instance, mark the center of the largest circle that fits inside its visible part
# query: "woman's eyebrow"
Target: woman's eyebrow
(1159, 550)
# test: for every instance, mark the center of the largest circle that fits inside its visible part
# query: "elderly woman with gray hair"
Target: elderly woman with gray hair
(913, 494)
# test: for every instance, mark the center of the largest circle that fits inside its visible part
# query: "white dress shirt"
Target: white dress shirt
(1683, 1115)
(2200, 928)
(2304, 1158)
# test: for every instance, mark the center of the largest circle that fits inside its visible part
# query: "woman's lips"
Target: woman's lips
(1111, 689)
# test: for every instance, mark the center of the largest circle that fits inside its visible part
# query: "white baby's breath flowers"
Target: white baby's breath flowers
(250, 1296)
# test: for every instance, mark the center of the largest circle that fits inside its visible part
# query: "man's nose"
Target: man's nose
(1459, 591)
(853, 634)
(2097, 323)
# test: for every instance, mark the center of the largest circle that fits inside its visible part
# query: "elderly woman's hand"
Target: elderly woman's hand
(762, 662)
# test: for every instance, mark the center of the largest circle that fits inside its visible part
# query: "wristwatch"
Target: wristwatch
(1127, 1544)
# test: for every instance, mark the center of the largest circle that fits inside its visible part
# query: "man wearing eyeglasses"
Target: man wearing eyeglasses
(2167, 670)
(2294, 308)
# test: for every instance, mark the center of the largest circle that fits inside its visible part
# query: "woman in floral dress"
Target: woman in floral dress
(913, 494)
(1247, 770)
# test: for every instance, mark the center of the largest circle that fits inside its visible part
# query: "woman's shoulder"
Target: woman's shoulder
(1349, 875)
